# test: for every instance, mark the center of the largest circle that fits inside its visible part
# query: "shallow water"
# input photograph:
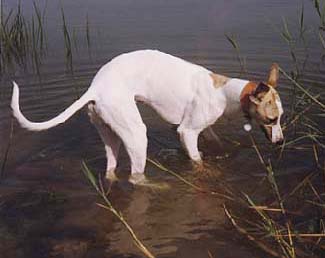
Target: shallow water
(47, 206)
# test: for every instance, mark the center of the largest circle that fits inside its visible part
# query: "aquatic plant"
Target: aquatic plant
(277, 229)
(282, 229)
(241, 60)
(20, 39)
(67, 42)
(23, 40)
(13, 37)
(88, 35)
(320, 8)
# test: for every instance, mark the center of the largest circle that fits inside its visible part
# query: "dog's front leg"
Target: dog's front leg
(200, 113)
(189, 140)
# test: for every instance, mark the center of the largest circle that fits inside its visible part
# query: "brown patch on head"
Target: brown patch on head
(218, 80)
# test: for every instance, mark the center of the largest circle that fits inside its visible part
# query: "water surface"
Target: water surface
(48, 208)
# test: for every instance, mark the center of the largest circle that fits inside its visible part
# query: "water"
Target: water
(48, 208)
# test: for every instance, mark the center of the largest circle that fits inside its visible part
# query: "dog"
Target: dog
(182, 93)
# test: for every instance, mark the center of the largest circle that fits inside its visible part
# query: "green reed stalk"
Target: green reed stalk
(235, 45)
(243, 231)
(187, 182)
(67, 41)
(1, 13)
(88, 34)
(40, 30)
(289, 248)
(35, 43)
(320, 9)
(302, 88)
(74, 39)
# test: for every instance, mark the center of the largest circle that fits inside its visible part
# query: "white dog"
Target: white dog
(182, 93)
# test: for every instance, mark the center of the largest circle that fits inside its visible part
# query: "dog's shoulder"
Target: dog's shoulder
(218, 79)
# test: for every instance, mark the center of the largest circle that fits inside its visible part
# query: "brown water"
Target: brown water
(47, 206)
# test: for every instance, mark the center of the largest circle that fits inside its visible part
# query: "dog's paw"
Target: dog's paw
(199, 167)
(110, 176)
(138, 179)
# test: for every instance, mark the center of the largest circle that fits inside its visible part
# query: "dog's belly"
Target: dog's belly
(169, 106)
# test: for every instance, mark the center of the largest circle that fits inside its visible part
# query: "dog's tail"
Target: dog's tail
(61, 118)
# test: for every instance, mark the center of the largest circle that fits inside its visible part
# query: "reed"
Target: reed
(14, 41)
(282, 228)
(88, 35)
(287, 240)
(234, 43)
(21, 40)
(320, 9)
(67, 42)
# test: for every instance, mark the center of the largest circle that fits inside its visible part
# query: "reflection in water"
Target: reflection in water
(155, 216)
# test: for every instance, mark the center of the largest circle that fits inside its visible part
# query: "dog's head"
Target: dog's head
(264, 106)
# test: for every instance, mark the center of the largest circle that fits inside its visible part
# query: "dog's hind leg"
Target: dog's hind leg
(124, 118)
(112, 146)
(111, 140)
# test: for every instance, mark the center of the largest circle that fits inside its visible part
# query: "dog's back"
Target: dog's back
(162, 81)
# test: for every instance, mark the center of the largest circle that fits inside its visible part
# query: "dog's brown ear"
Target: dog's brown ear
(254, 99)
(274, 75)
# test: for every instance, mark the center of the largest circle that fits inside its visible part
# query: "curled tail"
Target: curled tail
(61, 118)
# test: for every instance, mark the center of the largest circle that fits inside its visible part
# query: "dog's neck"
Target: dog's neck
(237, 92)
(248, 90)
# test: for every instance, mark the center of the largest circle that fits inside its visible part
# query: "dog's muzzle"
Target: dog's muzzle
(273, 133)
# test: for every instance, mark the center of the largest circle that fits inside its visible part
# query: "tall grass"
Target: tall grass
(23, 40)
(282, 227)
(14, 38)
(67, 42)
